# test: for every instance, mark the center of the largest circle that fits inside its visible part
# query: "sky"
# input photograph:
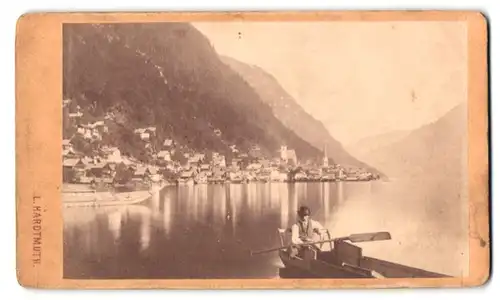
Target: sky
(359, 78)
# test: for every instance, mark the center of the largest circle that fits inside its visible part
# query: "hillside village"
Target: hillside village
(90, 157)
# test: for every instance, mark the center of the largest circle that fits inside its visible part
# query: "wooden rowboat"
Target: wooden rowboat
(339, 258)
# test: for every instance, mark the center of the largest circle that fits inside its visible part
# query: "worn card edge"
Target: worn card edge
(38, 136)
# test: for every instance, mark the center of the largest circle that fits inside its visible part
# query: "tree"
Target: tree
(168, 175)
(179, 156)
(123, 174)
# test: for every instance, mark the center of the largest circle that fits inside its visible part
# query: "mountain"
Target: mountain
(371, 144)
(434, 150)
(167, 75)
(291, 114)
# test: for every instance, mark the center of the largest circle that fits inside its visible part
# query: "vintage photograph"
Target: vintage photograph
(265, 150)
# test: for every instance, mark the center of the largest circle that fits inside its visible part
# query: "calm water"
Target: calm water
(207, 231)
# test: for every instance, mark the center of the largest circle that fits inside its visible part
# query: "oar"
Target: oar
(368, 237)
(355, 238)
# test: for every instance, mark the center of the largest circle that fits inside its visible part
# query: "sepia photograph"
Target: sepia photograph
(261, 150)
(234, 150)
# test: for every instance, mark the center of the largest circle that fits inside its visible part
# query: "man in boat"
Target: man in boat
(304, 231)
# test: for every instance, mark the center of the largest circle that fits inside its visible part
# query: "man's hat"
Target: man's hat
(304, 211)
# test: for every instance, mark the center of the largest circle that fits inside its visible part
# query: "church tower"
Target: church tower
(325, 157)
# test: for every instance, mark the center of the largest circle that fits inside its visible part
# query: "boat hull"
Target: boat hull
(314, 268)
(346, 261)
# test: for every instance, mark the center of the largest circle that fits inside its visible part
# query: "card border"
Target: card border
(39, 134)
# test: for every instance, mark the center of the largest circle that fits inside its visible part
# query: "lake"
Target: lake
(207, 231)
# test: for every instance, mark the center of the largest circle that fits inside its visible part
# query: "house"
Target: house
(196, 158)
(236, 162)
(75, 115)
(127, 161)
(219, 160)
(236, 176)
(249, 175)
(202, 177)
(80, 130)
(264, 175)
(68, 152)
(111, 166)
(205, 167)
(314, 174)
(67, 148)
(87, 160)
(73, 166)
(140, 173)
(199, 157)
(218, 175)
(108, 180)
(151, 170)
(73, 163)
(288, 155)
(186, 177)
(66, 144)
(168, 143)
(164, 155)
(291, 157)
(145, 133)
(144, 136)
(98, 124)
(232, 168)
(96, 170)
(96, 134)
(87, 134)
(254, 166)
(85, 180)
(255, 153)
(113, 155)
(264, 163)
(275, 175)
(340, 173)
(187, 174)
(171, 166)
(234, 149)
(275, 162)
(300, 176)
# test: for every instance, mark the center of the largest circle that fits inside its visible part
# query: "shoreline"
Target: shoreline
(83, 195)
(104, 199)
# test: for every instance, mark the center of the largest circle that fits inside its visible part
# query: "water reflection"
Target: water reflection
(235, 202)
(340, 192)
(326, 200)
(167, 213)
(206, 231)
(115, 224)
(285, 208)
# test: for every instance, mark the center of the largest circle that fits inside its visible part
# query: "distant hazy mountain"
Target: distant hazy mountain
(434, 150)
(365, 146)
(167, 75)
(291, 114)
